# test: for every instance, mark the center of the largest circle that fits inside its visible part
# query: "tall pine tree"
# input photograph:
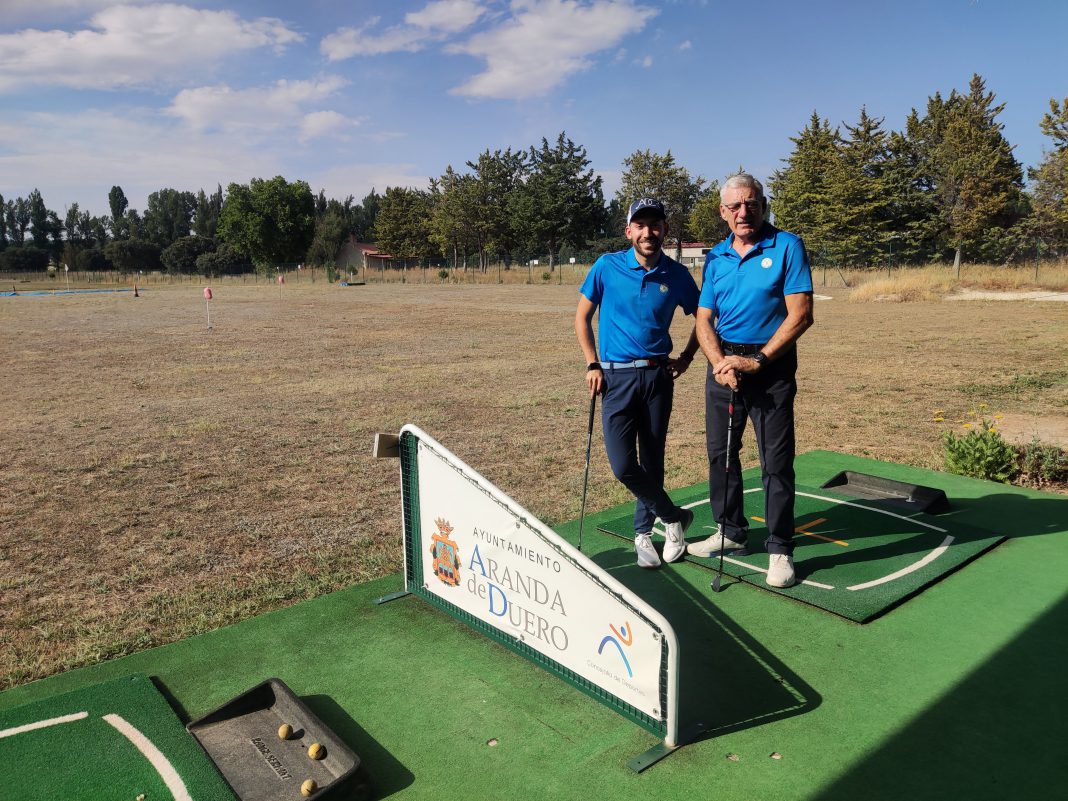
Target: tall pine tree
(1049, 220)
(800, 193)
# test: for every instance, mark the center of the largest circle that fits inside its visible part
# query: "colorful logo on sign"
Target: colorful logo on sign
(619, 637)
(446, 554)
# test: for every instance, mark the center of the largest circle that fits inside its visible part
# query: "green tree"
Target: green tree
(402, 227)
(24, 259)
(800, 190)
(273, 221)
(856, 196)
(42, 226)
(1049, 219)
(561, 202)
(3, 224)
(180, 257)
(649, 174)
(911, 210)
(131, 255)
(331, 230)
(118, 204)
(206, 215)
(497, 176)
(706, 224)
(17, 215)
(225, 260)
(452, 217)
(168, 216)
(92, 260)
(976, 181)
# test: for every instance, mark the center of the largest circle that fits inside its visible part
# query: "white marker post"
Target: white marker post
(66, 272)
(207, 304)
(281, 280)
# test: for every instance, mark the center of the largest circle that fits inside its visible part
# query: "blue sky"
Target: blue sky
(350, 95)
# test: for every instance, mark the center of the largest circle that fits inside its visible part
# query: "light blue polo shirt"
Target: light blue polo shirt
(637, 305)
(748, 294)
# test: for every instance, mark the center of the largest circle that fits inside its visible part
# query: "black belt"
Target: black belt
(736, 349)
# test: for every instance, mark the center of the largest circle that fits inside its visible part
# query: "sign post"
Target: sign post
(207, 304)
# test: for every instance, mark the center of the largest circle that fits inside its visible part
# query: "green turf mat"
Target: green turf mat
(115, 740)
(856, 559)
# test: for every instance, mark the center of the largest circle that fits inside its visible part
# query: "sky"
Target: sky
(356, 95)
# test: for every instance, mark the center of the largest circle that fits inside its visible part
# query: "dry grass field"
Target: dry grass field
(160, 479)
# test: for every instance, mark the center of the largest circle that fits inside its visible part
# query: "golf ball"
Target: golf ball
(308, 788)
(316, 751)
(285, 731)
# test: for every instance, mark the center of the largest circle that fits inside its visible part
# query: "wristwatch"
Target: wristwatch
(593, 366)
(760, 357)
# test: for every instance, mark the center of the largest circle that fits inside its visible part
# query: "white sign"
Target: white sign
(572, 259)
(489, 557)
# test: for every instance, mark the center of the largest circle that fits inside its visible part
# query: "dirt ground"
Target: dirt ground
(160, 479)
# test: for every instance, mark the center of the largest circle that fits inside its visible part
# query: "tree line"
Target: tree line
(947, 186)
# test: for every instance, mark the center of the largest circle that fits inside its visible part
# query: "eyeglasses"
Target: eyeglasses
(752, 206)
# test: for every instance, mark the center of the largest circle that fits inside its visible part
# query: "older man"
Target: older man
(638, 291)
(756, 301)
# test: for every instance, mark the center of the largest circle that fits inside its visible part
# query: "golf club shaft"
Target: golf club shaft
(726, 481)
(586, 477)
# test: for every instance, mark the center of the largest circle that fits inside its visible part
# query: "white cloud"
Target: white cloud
(320, 124)
(77, 157)
(646, 62)
(448, 16)
(23, 9)
(260, 108)
(131, 46)
(544, 42)
(436, 21)
(686, 45)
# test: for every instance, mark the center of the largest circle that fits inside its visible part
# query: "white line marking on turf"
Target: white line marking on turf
(746, 564)
(941, 549)
(937, 552)
(43, 724)
(162, 765)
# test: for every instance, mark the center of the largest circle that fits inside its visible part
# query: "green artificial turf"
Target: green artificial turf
(89, 758)
(955, 694)
(842, 548)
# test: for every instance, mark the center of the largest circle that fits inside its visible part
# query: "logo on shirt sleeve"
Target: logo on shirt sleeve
(765, 262)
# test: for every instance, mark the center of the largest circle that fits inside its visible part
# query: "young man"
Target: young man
(637, 291)
(756, 301)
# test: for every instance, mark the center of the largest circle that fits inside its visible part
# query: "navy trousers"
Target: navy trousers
(766, 398)
(635, 412)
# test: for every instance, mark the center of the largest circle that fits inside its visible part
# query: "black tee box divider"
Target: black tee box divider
(909, 497)
(242, 738)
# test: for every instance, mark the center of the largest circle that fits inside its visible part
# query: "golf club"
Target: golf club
(726, 478)
(586, 478)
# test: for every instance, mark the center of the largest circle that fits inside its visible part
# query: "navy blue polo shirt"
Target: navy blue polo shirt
(748, 293)
(637, 305)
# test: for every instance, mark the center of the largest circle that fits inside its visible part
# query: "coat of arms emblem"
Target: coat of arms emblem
(446, 554)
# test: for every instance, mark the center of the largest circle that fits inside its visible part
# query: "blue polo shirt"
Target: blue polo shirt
(637, 305)
(748, 294)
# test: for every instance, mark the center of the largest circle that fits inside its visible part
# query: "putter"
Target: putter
(586, 478)
(717, 581)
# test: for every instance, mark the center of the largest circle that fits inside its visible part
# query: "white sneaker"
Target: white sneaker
(780, 570)
(675, 537)
(643, 546)
(714, 544)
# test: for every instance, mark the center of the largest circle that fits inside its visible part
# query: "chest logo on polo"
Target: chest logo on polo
(663, 288)
(765, 262)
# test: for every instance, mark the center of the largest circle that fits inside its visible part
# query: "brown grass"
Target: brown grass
(161, 480)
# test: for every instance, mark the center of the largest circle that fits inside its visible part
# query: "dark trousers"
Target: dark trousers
(766, 398)
(635, 413)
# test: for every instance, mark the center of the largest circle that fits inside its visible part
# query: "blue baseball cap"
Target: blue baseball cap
(646, 205)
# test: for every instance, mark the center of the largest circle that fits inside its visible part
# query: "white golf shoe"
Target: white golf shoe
(647, 555)
(714, 544)
(780, 570)
(675, 537)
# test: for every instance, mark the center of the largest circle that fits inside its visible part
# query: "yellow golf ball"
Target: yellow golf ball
(308, 788)
(316, 751)
(285, 731)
